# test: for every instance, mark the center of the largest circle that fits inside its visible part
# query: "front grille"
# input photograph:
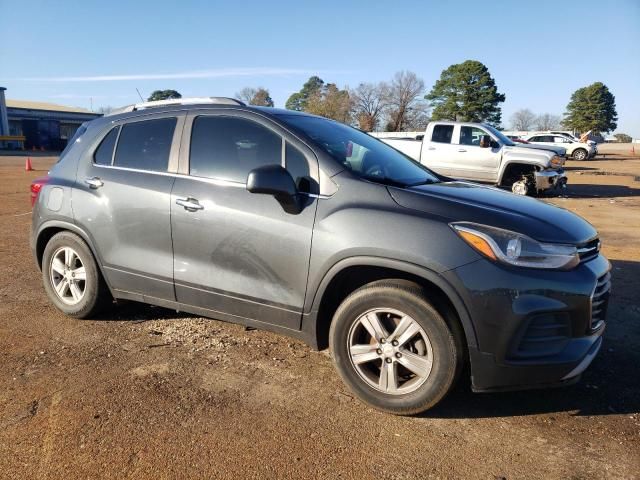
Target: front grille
(600, 301)
(589, 250)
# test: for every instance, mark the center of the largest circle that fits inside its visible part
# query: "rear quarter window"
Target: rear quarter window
(104, 153)
(145, 145)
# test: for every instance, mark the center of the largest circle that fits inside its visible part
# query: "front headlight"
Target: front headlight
(556, 161)
(516, 249)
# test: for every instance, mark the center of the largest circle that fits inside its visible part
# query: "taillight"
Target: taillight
(36, 186)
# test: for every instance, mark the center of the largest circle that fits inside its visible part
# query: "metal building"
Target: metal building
(39, 125)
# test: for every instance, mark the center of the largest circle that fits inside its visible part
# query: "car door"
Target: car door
(561, 141)
(122, 199)
(476, 162)
(439, 152)
(235, 252)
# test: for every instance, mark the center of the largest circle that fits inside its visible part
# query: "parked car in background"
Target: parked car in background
(516, 139)
(575, 149)
(573, 138)
(210, 206)
(479, 152)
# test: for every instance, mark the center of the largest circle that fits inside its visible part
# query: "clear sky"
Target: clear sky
(85, 53)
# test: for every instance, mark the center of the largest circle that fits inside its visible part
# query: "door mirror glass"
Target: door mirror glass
(275, 180)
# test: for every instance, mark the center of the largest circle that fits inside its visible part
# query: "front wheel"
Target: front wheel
(393, 349)
(522, 187)
(71, 277)
(580, 154)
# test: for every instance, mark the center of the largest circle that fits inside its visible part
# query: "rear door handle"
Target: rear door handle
(431, 148)
(461, 150)
(94, 182)
(190, 204)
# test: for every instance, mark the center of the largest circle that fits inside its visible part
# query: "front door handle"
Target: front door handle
(190, 204)
(431, 148)
(461, 150)
(94, 182)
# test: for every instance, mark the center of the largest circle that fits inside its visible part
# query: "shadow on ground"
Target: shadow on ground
(125, 310)
(609, 386)
(577, 190)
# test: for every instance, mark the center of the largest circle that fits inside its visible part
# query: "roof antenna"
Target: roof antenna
(141, 99)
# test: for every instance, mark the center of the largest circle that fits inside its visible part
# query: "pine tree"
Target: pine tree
(592, 108)
(466, 92)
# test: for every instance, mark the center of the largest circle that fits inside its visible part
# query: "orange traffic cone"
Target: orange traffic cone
(27, 165)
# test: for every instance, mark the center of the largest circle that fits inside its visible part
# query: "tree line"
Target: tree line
(464, 92)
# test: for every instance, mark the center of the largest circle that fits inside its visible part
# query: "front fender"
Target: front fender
(406, 267)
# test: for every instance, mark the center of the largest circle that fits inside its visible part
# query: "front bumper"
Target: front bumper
(533, 327)
(550, 179)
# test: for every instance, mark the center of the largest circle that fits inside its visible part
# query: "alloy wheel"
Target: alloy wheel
(68, 275)
(580, 155)
(390, 351)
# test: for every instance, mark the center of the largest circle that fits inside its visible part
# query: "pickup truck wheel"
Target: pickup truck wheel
(579, 154)
(71, 277)
(521, 187)
(393, 349)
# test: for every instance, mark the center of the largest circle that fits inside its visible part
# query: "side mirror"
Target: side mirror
(275, 180)
(485, 141)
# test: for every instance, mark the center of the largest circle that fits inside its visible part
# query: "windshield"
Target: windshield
(361, 153)
(501, 136)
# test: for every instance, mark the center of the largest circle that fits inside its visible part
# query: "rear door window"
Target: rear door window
(228, 148)
(442, 133)
(104, 153)
(145, 145)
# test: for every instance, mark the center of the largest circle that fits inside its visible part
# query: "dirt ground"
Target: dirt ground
(143, 392)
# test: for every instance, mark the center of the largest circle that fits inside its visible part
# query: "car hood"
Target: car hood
(457, 201)
(535, 146)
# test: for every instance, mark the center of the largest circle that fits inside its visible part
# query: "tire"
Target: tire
(579, 154)
(68, 267)
(402, 392)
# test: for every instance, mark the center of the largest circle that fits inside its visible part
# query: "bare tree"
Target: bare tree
(255, 96)
(547, 121)
(331, 102)
(407, 108)
(522, 119)
(369, 103)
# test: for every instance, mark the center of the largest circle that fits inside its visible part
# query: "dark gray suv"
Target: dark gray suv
(305, 226)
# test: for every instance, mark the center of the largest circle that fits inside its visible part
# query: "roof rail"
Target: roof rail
(177, 101)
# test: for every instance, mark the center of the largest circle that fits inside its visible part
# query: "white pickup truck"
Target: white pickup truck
(479, 152)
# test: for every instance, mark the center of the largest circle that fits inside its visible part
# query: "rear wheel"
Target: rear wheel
(71, 277)
(579, 154)
(393, 349)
